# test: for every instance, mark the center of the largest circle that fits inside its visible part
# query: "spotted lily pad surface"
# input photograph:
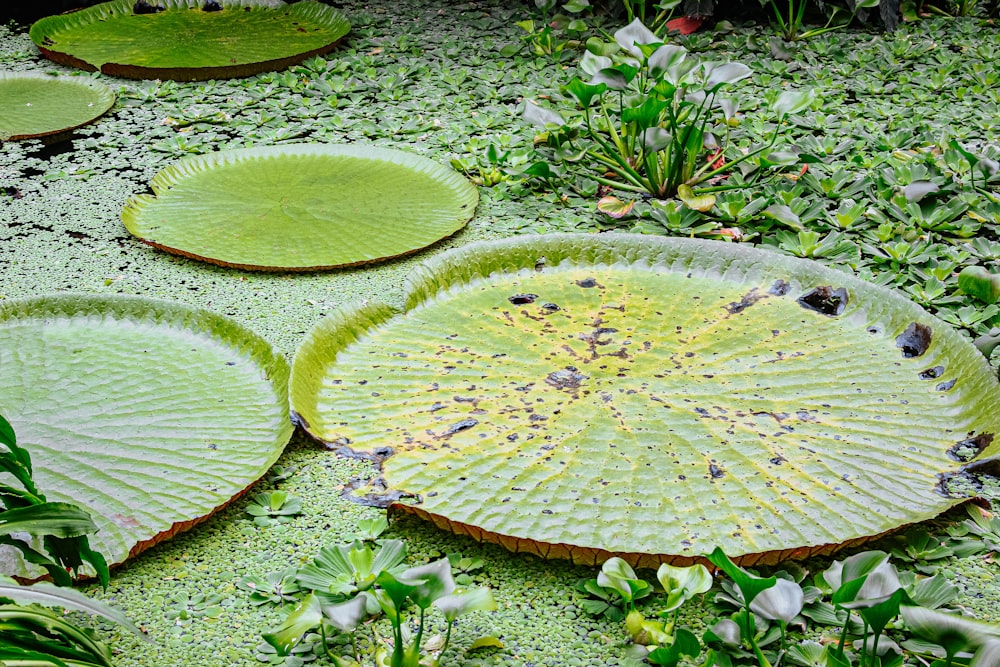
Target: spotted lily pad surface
(580, 396)
(34, 105)
(301, 207)
(148, 414)
(190, 40)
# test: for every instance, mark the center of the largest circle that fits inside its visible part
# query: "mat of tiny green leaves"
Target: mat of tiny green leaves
(428, 76)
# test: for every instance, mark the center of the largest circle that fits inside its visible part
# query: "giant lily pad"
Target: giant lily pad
(34, 105)
(301, 207)
(148, 414)
(581, 396)
(190, 40)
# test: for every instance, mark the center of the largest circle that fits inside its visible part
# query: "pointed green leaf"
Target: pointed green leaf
(47, 595)
(685, 643)
(953, 632)
(59, 519)
(584, 92)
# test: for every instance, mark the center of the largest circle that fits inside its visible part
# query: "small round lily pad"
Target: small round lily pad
(301, 207)
(34, 104)
(148, 414)
(190, 40)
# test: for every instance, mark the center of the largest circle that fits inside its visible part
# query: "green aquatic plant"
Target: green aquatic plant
(31, 633)
(274, 507)
(24, 512)
(655, 118)
(351, 582)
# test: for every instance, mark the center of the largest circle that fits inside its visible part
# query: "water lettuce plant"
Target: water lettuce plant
(529, 381)
(654, 117)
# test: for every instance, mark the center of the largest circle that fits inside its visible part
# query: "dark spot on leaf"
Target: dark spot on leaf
(521, 299)
(587, 282)
(915, 340)
(779, 288)
(932, 373)
(211, 6)
(968, 449)
(873, 330)
(459, 426)
(143, 7)
(825, 299)
(715, 471)
(749, 299)
(945, 386)
(567, 378)
(551, 307)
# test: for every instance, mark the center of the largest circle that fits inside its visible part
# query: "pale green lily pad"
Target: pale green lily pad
(190, 40)
(34, 105)
(300, 207)
(148, 414)
(581, 396)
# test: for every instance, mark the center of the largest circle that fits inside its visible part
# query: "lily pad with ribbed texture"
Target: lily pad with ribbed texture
(34, 105)
(190, 40)
(301, 207)
(580, 396)
(148, 414)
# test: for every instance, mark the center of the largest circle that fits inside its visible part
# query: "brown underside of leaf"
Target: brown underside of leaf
(596, 557)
